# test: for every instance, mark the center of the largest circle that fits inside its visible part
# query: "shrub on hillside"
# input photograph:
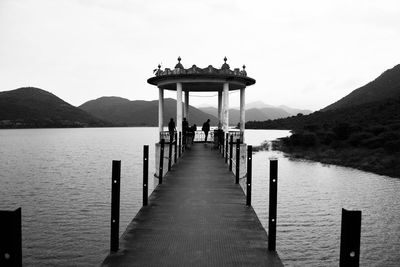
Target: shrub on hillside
(326, 137)
(377, 129)
(309, 139)
(342, 130)
(356, 139)
(373, 142)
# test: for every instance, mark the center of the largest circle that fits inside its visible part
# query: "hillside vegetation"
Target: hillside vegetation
(31, 107)
(364, 136)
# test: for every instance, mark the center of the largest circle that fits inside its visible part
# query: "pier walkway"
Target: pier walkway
(197, 217)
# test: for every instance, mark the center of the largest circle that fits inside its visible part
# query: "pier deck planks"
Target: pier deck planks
(198, 217)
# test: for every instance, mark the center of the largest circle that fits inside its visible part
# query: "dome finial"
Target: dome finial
(225, 59)
(244, 66)
(179, 65)
(159, 65)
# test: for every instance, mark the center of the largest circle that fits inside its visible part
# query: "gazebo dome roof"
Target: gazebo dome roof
(201, 79)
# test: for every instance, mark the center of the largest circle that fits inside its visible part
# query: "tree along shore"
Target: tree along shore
(377, 160)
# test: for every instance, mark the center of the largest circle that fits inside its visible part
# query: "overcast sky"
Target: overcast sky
(304, 54)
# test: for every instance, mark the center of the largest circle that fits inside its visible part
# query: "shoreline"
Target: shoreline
(375, 161)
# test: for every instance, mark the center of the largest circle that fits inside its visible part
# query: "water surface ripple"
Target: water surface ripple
(62, 180)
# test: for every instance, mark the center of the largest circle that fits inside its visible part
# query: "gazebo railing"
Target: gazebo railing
(198, 136)
(166, 136)
(236, 135)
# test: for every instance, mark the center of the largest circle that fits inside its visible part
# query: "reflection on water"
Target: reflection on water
(62, 177)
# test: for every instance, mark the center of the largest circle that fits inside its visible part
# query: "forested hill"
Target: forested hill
(386, 86)
(380, 113)
(31, 107)
(367, 124)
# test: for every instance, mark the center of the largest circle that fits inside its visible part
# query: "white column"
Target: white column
(242, 111)
(179, 107)
(160, 109)
(225, 120)
(220, 107)
(186, 109)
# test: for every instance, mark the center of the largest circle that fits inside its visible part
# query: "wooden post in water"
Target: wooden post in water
(161, 168)
(10, 238)
(249, 174)
(115, 198)
(237, 165)
(350, 238)
(273, 194)
(176, 147)
(226, 147)
(170, 153)
(230, 153)
(145, 174)
(180, 144)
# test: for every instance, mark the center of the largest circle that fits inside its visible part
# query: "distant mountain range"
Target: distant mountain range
(31, 107)
(123, 112)
(258, 111)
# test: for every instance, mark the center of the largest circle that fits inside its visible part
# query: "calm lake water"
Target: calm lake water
(61, 179)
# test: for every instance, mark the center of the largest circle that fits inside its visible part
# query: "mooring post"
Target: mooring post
(115, 198)
(161, 168)
(230, 153)
(180, 144)
(273, 193)
(249, 174)
(145, 174)
(350, 238)
(170, 153)
(176, 148)
(10, 238)
(237, 161)
(226, 147)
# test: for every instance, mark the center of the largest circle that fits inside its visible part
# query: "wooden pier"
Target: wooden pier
(197, 217)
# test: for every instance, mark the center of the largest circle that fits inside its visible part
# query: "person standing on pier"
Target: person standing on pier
(171, 129)
(206, 129)
(185, 129)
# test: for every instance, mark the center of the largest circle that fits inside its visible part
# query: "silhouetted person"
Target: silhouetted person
(206, 129)
(193, 130)
(171, 129)
(185, 129)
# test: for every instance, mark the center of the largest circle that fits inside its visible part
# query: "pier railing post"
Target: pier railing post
(115, 200)
(226, 147)
(273, 193)
(249, 174)
(10, 238)
(230, 153)
(176, 147)
(161, 167)
(145, 174)
(170, 153)
(350, 238)
(180, 144)
(237, 165)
